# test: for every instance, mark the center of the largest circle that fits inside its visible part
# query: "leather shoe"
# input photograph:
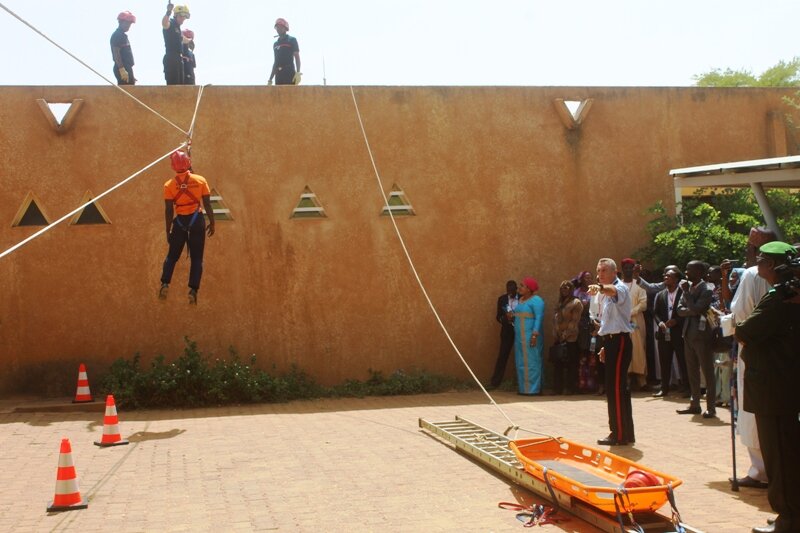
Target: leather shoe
(611, 441)
(770, 528)
(750, 483)
(660, 394)
(709, 414)
(689, 411)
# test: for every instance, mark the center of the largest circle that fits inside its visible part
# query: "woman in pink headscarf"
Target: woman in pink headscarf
(528, 341)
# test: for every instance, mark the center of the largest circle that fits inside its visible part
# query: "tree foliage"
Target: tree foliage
(713, 225)
(783, 74)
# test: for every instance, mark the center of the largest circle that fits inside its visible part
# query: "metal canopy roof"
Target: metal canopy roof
(772, 172)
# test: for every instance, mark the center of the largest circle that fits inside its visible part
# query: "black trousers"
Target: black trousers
(183, 232)
(173, 69)
(619, 352)
(779, 436)
(285, 75)
(666, 349)
(506, 345)
(131, 79)
(570, 367)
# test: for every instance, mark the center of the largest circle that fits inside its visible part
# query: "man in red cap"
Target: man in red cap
(287, 56)
(187, 54)
(121, 50)
(185, 197)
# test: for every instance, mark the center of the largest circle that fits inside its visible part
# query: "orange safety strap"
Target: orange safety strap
(183, 188)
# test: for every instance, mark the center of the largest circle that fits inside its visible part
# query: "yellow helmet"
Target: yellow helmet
(181, 10)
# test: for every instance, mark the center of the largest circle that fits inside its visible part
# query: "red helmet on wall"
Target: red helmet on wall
(189, 34)
(638, 478)
(282, 22)
(126, 16)
(181, 162)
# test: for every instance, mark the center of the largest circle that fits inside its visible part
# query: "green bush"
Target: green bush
(195, 381)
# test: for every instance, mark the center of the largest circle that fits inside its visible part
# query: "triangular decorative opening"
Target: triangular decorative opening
(308, 206)
(91, 214)
(398, 203)
(29, 213)
(60, 115)
(572, 112)
(221, 211)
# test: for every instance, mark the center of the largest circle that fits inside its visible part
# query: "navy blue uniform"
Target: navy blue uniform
(285, 48)
(189, 64)
(173, 63)
(119, 39)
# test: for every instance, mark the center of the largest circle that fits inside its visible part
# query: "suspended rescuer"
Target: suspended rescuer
(287, 57)
(121, 50)
(185, 197)
(173, 43)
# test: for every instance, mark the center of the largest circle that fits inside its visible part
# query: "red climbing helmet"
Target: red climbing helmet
(181, 162)
(638, 478)
(282, 22)
(189, 34)
(126, 16)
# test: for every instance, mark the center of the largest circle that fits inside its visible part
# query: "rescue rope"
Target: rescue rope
(113, 83)
(78, 209)
(419, 280)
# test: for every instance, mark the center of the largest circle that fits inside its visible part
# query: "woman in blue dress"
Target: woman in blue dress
(528, 342)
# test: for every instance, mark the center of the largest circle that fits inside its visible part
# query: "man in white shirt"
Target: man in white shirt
(750, 291)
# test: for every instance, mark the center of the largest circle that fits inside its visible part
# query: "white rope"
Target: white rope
(414, 269)
(113, 83)
(77, 209)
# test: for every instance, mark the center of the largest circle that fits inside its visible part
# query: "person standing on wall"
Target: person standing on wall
(771, 336)
(173, 43)
(506, 304)
(121, 50)
(287, 57)
(185, 198)
(187, 54)
(614, 314)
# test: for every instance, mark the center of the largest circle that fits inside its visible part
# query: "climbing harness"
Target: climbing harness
(537, 515)
(622, 503)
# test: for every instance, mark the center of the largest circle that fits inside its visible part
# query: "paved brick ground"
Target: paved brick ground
(334, 465)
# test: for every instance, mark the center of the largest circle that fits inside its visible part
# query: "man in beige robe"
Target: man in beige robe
(638, 368)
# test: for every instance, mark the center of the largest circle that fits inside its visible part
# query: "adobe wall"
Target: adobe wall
(501, 189)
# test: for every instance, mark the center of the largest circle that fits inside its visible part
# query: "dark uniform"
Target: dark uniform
(173, 62)
(506, 341)
(771, 335)
(189, 64)
(119, 39)
(285, 48)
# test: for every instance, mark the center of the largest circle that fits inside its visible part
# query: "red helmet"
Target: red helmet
(126, 16)
(189, 34)
(181, 162)
(638, 478)
(282, 22)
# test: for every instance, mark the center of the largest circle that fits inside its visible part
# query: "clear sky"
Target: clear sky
(414, 42)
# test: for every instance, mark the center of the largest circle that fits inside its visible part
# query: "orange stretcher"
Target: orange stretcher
(591, 475)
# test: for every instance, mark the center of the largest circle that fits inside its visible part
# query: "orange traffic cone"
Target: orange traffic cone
(67, 497)
(111, 436)
(83, 394)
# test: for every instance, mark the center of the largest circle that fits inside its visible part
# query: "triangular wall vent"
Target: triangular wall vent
(398, 203)
(91, 214)
(60, 115)
(572, 112)
(308, 206)
(221, 211)
(29, 213)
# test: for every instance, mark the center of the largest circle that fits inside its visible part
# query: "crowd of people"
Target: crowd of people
(179, 59)
(614, 331)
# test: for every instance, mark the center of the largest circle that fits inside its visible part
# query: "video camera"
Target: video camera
(788, 285)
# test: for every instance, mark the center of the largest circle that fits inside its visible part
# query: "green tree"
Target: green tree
(783, 74)
(714, 226)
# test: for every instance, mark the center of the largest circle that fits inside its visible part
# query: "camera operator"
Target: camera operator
(771, 335)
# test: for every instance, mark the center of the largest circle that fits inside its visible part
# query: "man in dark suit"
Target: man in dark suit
(771, 335)
(670, 329)
(505, 304)
(698, 337)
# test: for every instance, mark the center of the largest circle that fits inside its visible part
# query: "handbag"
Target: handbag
(558, 353)
(728, 327)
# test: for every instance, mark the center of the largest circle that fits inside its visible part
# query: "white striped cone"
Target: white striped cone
(83, 394)
(68, 496)
(111, 436)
